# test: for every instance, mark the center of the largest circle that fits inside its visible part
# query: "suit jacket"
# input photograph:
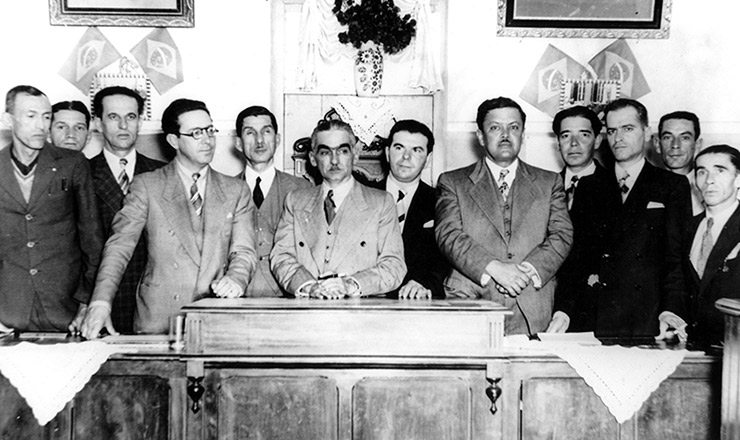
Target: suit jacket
(176, 272)
(645, 243)
(363, 241)
(426, 264)
(109, 198)
(471, 233)
(265, 224)
(49, 247)
(595, 200)
(693, 298)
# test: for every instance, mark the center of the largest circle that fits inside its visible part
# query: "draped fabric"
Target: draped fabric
(319, 41)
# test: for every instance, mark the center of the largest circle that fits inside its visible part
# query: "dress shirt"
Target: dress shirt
(720, 219)
(633, 171)
(589, 170)
(267, 176)
(496, 172)
(340, 192)
(393, 186)
(114, 163)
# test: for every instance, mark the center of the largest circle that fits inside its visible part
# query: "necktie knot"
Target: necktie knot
(257, 195)
(570, 191)
(195, 197)
(330, 208)
(123, 162)
(401, 195)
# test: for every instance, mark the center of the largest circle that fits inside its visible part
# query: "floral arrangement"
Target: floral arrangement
(374, 20)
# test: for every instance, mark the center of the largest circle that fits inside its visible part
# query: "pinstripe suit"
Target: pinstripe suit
(109, 198)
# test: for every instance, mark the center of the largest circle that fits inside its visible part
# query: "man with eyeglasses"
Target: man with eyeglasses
(199, 224)
(118, 113)
(257, 138)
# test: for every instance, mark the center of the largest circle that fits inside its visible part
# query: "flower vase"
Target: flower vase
(368, 70)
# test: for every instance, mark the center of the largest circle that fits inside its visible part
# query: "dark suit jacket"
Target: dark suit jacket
(645, 244)
(49, 247)
(471, 233)
(594, 203)
(692, 298)
(426, 264)
(109, 199)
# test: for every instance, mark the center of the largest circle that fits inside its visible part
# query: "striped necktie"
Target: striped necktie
(707, 243)
(123, 180)
(195, 197)
(623, 186)
(570, 192)
(503, 187)
(400, 208)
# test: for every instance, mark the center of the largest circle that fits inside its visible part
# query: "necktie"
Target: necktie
(707, 243)
(623, 186)
(123, 180)
(330, 209)
(257, 193)
(503, 187)
(570, 192)
(195, 197)
(400, 208)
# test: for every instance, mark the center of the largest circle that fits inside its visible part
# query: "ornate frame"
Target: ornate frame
(566, 26)
(177, 13)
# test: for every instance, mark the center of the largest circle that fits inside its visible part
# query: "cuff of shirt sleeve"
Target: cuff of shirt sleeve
(302, 291)
(667, 314)
(563, 315)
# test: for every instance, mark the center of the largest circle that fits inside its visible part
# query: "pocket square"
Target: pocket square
(230, 215)
(733, 253)
(655, 205)
(429, 224)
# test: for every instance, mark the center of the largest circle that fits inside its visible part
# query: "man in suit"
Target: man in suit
(679, 138)
(340, 238)
(50, 234)
(118, 113)
(710, 267)
(503, 224)
(408, 153)
(70, 124)
(592, 200)
(199, 227)
(645, 238)
(257, 138)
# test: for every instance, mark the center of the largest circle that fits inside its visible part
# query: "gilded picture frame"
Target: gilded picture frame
(137, 13)
(584, 18)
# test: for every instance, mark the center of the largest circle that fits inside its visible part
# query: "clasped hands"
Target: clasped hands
(331, 286)
(510, 278)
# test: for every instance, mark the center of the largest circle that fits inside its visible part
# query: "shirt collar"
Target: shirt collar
(266, 178)
(633, 170)
(187, 178)
(392, 185)
(496, 170)
(589, 170)
(114, 162)
(340, 192)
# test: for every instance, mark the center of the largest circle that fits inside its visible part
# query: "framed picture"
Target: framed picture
(146, 13)
(584, 18)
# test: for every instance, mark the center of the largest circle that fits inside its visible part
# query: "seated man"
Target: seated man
(70, 122)
(410, 147)
(199, 228)
(710, 267)
(339, 238)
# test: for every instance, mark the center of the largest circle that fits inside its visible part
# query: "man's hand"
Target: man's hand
(226, 287)
(671, 325)
(509, 278)
(414, 290)
(96, 318)
(76, 324)
(323, 290)
(559, 323)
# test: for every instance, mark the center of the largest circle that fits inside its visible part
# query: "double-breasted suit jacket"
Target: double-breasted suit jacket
(692, 298)
(363, 241)
(265, 224)
(426, 264)
(178, 271)
(644, 245)
(49, 247)
(109, 198)
(471, 232)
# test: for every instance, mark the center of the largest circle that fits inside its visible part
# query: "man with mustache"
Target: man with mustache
(503, 224)
(199, 224)
(118, 113)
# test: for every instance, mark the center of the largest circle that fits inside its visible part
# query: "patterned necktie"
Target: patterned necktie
(195, 197)
(707, 243)
(503, 187)
(399, 207)
(330, 209)
(257, 193)
(623, 186)
(123, 180)
(570, 192)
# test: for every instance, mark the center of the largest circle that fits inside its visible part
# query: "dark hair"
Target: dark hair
(688, 116)
(621, 103)
(255, 110)
(413, 126)
(733, 152)
(576, 111)
(492, 104)
(71, 105)
(171, 115)
(17, 90)
(332, 124)
(115, 90)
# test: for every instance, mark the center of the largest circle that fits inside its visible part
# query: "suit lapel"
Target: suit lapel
(106, 186)
(7, 177)
(416, 216)
(45, 171)
(214, 213)
(484, 193)
(522, 194)
(312, 220)
(175, 207)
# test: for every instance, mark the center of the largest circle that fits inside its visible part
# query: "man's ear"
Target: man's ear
(8, 119)
(481, 138)
(172, 140)
(599, 140)
(388, 154)
(238, 144)
(277, 139)
(312, 158)
(656, 144)
(699, 145)
(427, 160)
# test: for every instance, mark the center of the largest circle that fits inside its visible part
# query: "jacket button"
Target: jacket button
(329, 232)
(177, 297)
(29, 217)
(300, 243)
(326, 261)
(510, 255)
(30, 244)
(262, 258)
(362, 243)
(175, 265)
(33, 271)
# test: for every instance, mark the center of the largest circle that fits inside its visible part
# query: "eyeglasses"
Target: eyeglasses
(198, 133)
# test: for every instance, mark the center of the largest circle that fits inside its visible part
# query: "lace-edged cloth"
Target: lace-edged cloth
(49, 376)
(367, 116)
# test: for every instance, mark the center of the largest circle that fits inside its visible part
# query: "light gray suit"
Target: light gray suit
(471, 232)
(177, 271)
(363, 241)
